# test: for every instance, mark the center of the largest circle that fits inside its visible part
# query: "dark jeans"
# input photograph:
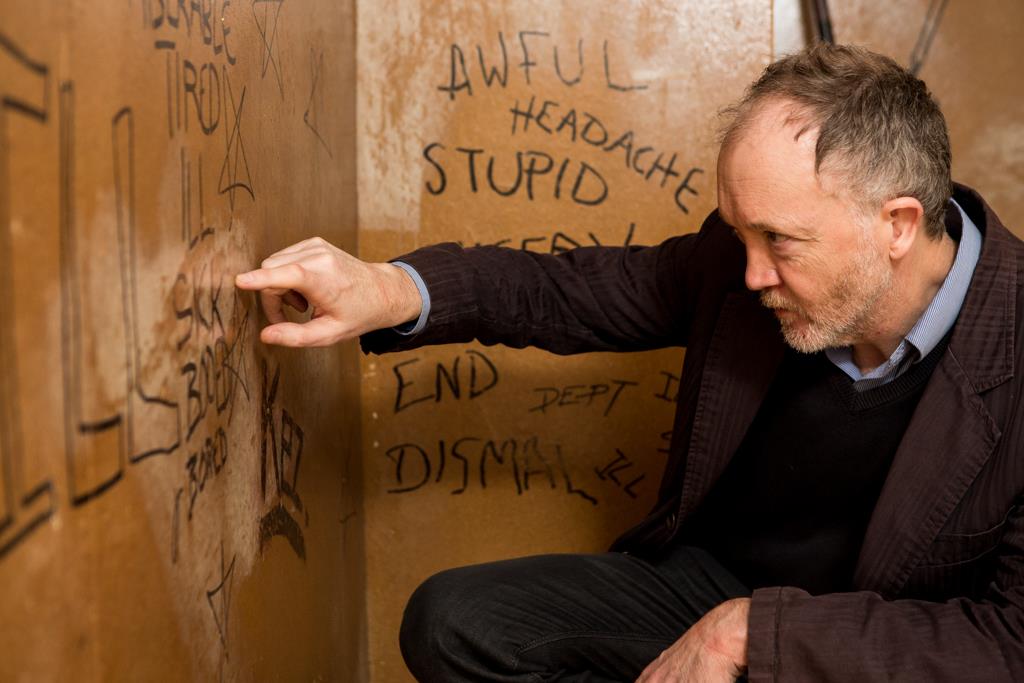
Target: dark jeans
(593, 618)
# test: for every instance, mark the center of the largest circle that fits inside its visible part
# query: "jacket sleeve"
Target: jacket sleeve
(588, 299)
(794, 636)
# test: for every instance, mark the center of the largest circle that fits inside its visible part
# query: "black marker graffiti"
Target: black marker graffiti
(666, 443)
(198, 83)
(610, 472)
(586, 127)
(219, 599)
(91, 470)
(234, 172)
(98, 448)
(556, 242)
(477, 379)
(24, 506)
(268, 25)
(204, 465)
(459, 79)
(169, 15)
(134, 422)
(155, 416)
(281, 443)
(192, 239)
(315, 105)
(534, 174)
(279, 522)
(670, 391)
(606, 393)
(114, 418)
(176, 525)
(35, 103)
(529, 463)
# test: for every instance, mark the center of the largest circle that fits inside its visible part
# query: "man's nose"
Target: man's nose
(760, 273)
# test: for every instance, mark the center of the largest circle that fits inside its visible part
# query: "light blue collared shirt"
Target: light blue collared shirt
(931, 327)
(420, 322)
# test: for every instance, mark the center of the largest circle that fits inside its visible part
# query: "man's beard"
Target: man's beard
(845, 314)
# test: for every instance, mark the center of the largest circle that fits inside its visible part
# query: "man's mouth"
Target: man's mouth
(786, 315)
(779, 306)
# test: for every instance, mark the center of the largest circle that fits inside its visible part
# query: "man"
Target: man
(841, 499)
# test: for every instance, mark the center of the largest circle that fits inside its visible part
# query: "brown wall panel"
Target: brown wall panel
(969, 54)
(474, 453)
(174, 505)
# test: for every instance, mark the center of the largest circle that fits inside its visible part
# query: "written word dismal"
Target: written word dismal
(477, 462)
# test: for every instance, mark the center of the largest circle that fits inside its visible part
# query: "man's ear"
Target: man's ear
(904, 220)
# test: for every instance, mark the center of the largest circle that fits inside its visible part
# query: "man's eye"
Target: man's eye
(774, 237)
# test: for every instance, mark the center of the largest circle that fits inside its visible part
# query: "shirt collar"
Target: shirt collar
(934, 323)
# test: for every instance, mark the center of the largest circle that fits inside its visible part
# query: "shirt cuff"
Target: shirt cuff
(415, 327)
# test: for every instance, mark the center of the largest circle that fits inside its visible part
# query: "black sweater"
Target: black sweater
(792, 507)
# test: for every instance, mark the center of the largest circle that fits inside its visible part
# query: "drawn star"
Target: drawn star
(269, 25)
(234, 173)
(219, 599)
(315, 105)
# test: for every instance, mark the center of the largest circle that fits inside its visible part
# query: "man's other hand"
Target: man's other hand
(712, 650)
(348, 297)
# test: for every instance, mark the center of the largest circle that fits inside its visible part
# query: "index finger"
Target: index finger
(289, 276)
(277, 285)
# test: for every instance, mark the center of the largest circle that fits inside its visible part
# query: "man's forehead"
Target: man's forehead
(772, 159)
(781, 123)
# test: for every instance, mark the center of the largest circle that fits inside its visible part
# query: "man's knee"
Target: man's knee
(431, 621)
(424, 613)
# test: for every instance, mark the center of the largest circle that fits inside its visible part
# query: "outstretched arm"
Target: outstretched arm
(588, 299)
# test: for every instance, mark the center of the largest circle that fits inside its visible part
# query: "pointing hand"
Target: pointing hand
(349, 297)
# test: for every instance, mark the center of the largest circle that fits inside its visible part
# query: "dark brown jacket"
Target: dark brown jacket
(940, 578)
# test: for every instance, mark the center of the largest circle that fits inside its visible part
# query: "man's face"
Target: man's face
(818, 263)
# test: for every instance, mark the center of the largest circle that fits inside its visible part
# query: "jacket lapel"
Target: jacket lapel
(949, 439)
(951, 435)
(744, 356)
